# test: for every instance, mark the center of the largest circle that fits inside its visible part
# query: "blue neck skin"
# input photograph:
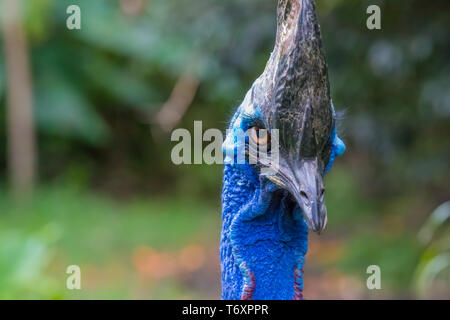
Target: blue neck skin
(264, 239)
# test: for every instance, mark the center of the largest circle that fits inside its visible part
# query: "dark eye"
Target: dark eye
(260, 136)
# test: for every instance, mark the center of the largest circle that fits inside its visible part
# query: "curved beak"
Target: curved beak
(304, 182)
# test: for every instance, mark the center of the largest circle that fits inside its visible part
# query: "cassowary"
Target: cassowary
(266, 217)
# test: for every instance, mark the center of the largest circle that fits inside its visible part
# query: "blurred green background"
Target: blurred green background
(105, 195)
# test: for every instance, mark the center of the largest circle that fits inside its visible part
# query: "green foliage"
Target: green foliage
(435, 260)
(396, 255)
(63, 226)
(349, 205)
(63, 111)
(23, 260)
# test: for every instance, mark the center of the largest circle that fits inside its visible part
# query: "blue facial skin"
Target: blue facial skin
(337, 145)
(264, 237)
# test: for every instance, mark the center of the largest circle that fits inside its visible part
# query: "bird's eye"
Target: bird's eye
(260, 136)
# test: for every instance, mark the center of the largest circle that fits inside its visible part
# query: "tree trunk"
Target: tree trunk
(20, 126)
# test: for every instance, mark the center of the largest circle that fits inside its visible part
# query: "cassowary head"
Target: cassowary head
(293, 97)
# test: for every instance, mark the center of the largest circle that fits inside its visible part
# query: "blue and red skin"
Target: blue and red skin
(298, 277)
(263, 245)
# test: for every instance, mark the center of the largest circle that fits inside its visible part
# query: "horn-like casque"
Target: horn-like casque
(293, 92)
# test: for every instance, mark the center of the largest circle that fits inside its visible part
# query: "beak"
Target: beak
(304, 182)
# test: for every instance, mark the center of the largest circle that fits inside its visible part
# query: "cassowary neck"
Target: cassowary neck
(263, 241)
